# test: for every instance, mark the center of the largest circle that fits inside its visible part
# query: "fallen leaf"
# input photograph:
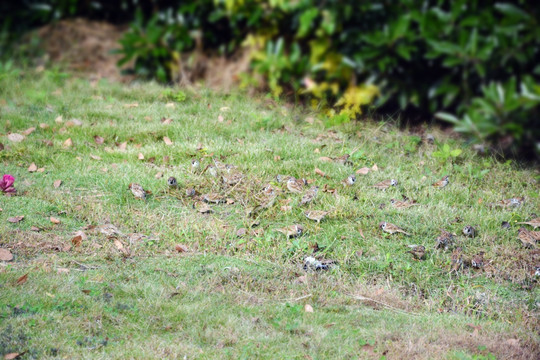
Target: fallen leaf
(325, 158)
(320, 172)
(43, 126)
(317, 151)
(57, 183)
(181, 248)
(86, 291)
(363, 171)
(48, 142)
(14, 137)
(55, 220)
(159, 175)
(68, 143)
(375, 167)
(16, 219)
(12, 356)
(95, 157)
(167, 141)
(301, 279)
(32, 168)
(35, 228)
(131, 105)
(74, 122)
(220, 118)
(379, 292)
(361, 233)
(277, 158)
(99, 140)
(308, 308)
(140, 156)
(169, 105)
(480, 201)
(166, 121)
(59, 119)
(118, 244)
(22, 279)
(29, 131)
(5, 255)
(286, 208)
(40, 170)
(62, 271)
(77, 240)
(224, 108)
(122, 146)
(166, 159)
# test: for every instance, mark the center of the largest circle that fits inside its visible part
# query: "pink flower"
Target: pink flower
(6, 184)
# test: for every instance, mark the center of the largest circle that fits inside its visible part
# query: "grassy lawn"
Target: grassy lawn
(121, 289)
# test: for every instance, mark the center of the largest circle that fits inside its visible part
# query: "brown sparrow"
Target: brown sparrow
(383, 185)
(316, 215)
(513, 202)
(266, 200)
(445, 240)
(212, 170)
(441, 183)
(195, 164)
(213, 198)
(191, 192)
(534, 222)
(281, 178)
(310, 195)
(349, 180)
(137, 191)
(343, 160)
(310, 263)
(477, 260)
(172, 182)
(469, 231)
(391, 228)
(292, 231)
(527, 239)
(418, 251)
(294, 185)
(402, 204)
(457, 259)
(202, 207)
(232, 178)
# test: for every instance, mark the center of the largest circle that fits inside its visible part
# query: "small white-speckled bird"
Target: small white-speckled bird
(441, 183)
(445, 240)
(294, 185)
(232, 178)
(477, 260)
(383, 185)
(391, 228)
(527, 239)
(316, 215)
(513, 202)
(137, 191)
(469, 231)
(402, 204)
(343, 160)
(310, 195)
(534, 222)
(418, 251)
(214, 198)
(191, 192)
(349, 180)
(457, 259)
(292, 231)
(195, 165)
(172, 182)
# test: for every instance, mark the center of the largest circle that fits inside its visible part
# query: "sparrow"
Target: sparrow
(232, 178)
(310, 195)
(349, 180)
(172, 182)
(316, 215)
(292, 231)
(534, 222)
(294, 185)
(202, 207)
(444, 240)
(343, 160)
(391, 228)
(213, 198)
(477, 260)
(527, 239)
(418, 251)
(402, 204)
(457, 259)
(513, 202)
(280, 178)
(310, 263)
(441, 183)
(195, 164)
(266, 200)
(469, 231)
(383, 185)
(137, 191)
(212, 170)
(219, 165)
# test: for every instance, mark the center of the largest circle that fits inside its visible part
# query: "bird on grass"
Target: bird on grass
(292, 231)
(418, 251)
(457, 259)
(513, 202)
(445, 240)
(528, 238)
(383, 185)
(343, 160)
(477, 260)
(294, 185)
(403, 204)
(316, 215)
(441, 183)
(349, 180)
(391, 228)
(137, 191)
(310, 195)
(172, 182)
(469, 231)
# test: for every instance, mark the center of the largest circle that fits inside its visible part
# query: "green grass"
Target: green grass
(231, 297)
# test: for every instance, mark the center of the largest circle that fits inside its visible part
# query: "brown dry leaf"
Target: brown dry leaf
(118, 244)
(200, 146)
(59, 119)
(140, 156)
(320, 172)
(169, 105)
(361, 233)
(43, 126)
(476, 328)
(181, 248)
(99, 140)
(277, 158)
(131, 105)
(77, 240)
(14, 137)
(301, 279)
(167, 141)
(95, 157)
(480, 201)
(363, 171)
(68, 143)
(35, 228)
(29, 131)
(122, 146)
(5, 255)
(286, 208)
(40, 170)
(220, 118)
(325, 158)
(379, 292)
(14, 355)
(159, 175)
(16, 219)
(308, 308)
(317, 151)
(48, 142)
(22, 279)
(74, 122)
(32, 168)
(55, 220)
(375, 167)
(57, 183)
(166, 121)
(62, 271)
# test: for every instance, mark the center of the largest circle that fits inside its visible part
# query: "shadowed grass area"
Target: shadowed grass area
(130, 294)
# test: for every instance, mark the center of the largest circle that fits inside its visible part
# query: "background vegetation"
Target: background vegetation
(476, 60)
